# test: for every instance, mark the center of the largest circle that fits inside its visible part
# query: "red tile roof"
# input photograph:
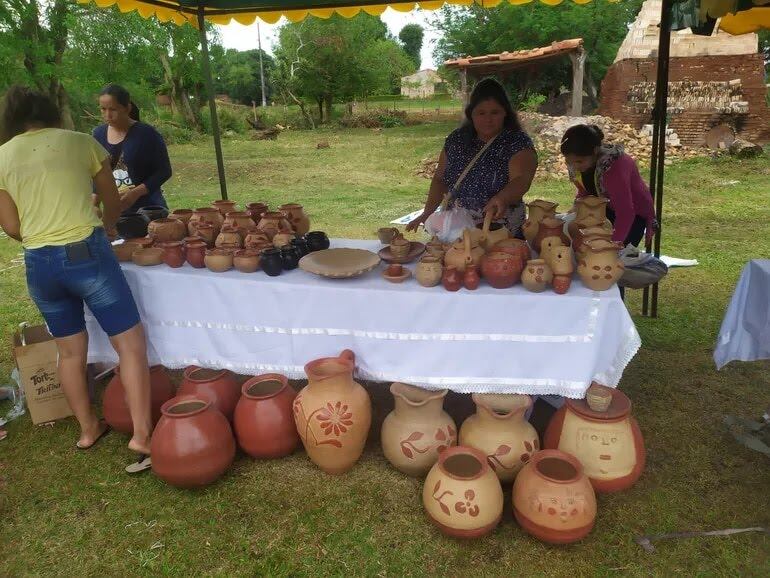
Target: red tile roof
(510, 60)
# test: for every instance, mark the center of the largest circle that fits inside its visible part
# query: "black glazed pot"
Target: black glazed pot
(154, 212)
(317, 241)
(301, 245)
(290, 257)
(132, 226)
(271, 262)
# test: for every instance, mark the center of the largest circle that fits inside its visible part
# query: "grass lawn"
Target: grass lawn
(76, 513)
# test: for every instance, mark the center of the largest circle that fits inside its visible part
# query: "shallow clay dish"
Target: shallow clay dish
(415, 250)
(339, 263)
(397, 278)
(148, 256)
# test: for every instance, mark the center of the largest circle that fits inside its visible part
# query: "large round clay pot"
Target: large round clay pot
(600, 265)
(463, 252)
(537, 275)
(228, 238)
(205, 215)
(192, 445)
(462, 495)
(501, 270)
(164, 230)
(132, 226)
(218, 386)
(549, 227)
(272, 223)
(514, 247)
(256, 210)
(263, 421)
(224, 206)
(498, 429)
(333, 413)
(173, 253)
(608, 443)
(240, 220)
(537, 211)
(417, 430)
(296, 216)
(553, 499)
(218, 260)
(114, 406)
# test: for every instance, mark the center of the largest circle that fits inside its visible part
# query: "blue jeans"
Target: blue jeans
(59, 288)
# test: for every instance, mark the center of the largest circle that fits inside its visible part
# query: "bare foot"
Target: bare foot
(140, 446)
(90, 436)
(3, 434)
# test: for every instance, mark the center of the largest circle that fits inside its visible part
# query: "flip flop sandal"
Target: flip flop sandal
(143, 463)
(105, 431)
(3, 434)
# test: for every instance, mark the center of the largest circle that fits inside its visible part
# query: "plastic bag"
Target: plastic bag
(641, 269)
(448, 224)
(17, 399)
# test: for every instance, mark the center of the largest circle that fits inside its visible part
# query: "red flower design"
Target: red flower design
(335, 418)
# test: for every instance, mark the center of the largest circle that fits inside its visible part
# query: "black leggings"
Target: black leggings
(635, 233)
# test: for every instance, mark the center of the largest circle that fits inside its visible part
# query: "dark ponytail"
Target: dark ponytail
(23, 107)
(122, 96)
(134, 112)
(581, 140)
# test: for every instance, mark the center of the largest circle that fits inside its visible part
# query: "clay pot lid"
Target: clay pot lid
(264, 386)
(620, 407)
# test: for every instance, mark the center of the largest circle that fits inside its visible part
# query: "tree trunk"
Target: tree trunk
(308, 117)
(328, 101)
(320, 110)
(180, 101)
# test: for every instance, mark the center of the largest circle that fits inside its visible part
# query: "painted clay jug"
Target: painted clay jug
(549, 227)
(498, 429)
(600, 265)
(547, 245)
(538, 210)
(263, 421)
(514, 247)
(192, 445)
(492, 233)
(590, 230)
(218, 386)
(115, 409)
(501, 270)
(229, 238)
(462, 495)
(608, 443)
(417, 430)
(296, 216)
(562, 267)
(536, 276)
(471, 279)
(272, 223)
(333, 413)
(591, 208)
(164, 230)
(240, 220)
(463, 252)
(553, 499)
(224, 206)
(428, 271)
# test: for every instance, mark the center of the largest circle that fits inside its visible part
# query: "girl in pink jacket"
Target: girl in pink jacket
(604, 170)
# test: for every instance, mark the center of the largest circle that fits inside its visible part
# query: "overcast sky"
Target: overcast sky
(245, 37)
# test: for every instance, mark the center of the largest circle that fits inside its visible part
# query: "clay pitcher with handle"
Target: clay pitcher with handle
(538, 210)
(463, 252)
(333, 413)
(491, 235)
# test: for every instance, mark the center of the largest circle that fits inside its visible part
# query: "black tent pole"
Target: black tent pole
(658, 157)
(212, 105)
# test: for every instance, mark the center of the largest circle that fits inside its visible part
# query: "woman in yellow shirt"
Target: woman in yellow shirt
(46, 178)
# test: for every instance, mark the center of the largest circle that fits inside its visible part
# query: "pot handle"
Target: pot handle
(485, 227)
(467, 243)
(348, 355)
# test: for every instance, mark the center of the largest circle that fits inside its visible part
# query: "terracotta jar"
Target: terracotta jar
(218, 386)
(591, 208)
(514, 247)
(193, 444)
(553, 499)
(263, 422)
(256, 239)
(452, 279)
(463, 252)
(333, 413)
(224, 206)
(608, 443)
(589, 231)
(399, 247)
(492, 233)
(124, 251)
(272, 223)
(183, 215)
(195, 252)
(547, 245)
(206, 231)
(538, 210)
(296, 217)
(205, 215)
(435, 248)
(218, 260)
(498, 429)
(600, 265)
(501, 270)
(173, 253)
(417, 430)
(550, 227)
(246, 260)
(162, 230)
(428, 271)
(139, 242)
(462, 495)
(471, 279)
(281, 240)
(563, 267)
(229, 238)
(115, 408)
(536, 276)
(239, 220)
(256, 210)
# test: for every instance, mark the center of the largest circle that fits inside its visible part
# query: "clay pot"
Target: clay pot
(608, 443)
(300, 244)
(317, 241)
(224, 206)
(549, 227)
(246, 260)
(536, 276)
(600, 265)
(598, 397)
(207, 232)
(195, 252)
(296, 216)
(281, 240)
(132, 225)
(452, 279)
(205, 215)
(501, 270)
(538, 210)
(290, 257)
(273, 223)
(498, 429)
(256, 239)
(591, 208)
(183, 215)
(386, 234)
(587, 233)
(115, 408)
(400, 247)
(492, 233)
(218, 386)
(462, 495)
(263, 421)
(515, 247)
(471, 278)
(173, 253)
(239, 220)
(547, 245)
(562, 268)
(270, 261)
(553, 499)
(256, 210)
(193, 444)
(428, 271)
(463, 252)
(435, 248)
(139, 242)
(147, 257)
(228, 238)
(218, 260)
(124, 251)
(333, 413)
(417, 430)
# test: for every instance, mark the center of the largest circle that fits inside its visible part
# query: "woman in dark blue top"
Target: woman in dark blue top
(500, 177)
(138, 154)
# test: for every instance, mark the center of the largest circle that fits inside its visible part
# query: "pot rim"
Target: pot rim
(397, 389)
(205, 209)
(282, 379)
(170, 244)
(181, 211)
(463, 450)
(541, 455)
(180, 399)
(235, 214)
(485, 400)
(346, 358)
(542, 203)
(223, 202)
(192, 369)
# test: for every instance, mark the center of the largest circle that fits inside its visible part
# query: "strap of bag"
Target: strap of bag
(463, 174)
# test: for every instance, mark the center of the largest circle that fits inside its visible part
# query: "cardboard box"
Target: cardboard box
(36, 356)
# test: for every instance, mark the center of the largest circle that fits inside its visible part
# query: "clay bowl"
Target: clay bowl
(147, 257)
(393, 275)
(219, 260)
(124, 251)
(415, 250)
(246, 260)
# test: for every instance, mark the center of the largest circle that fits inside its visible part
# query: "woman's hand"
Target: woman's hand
(130, 196)
(497, 205)
(416, 222)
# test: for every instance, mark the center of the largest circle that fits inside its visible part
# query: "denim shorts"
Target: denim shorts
(59, 288)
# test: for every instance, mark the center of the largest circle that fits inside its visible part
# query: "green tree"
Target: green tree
(411, 37)
(237, 74)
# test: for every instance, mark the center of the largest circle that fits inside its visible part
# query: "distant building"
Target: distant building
(422, 84)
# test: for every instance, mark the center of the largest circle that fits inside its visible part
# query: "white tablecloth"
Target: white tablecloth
(745, 332)
(487, 340)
